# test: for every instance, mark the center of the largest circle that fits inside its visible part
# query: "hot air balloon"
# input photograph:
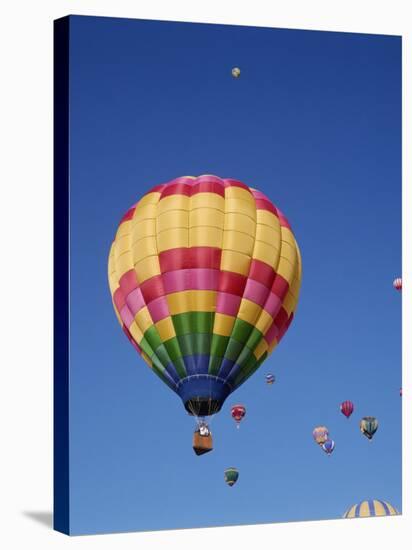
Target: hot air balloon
(347, 408)
(235, 72)
(328, 446)
(400, 392)
(231, 476)
(397, 283)
(320, 434)
(204, 275)
(270, 379)
(368, 426)
(369, 508)
(238, 412)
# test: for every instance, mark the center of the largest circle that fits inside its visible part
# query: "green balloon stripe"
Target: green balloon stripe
(194, 336)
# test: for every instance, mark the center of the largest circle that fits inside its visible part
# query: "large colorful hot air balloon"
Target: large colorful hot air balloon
(347, 408)
(369, 508)
(320, 434)
(204, 274)
(270, 379)
(231, 476)
(397, 283)
(368, 426)
(238, 413)
(328, 446)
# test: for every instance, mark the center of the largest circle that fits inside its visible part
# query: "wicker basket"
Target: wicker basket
(202, 443)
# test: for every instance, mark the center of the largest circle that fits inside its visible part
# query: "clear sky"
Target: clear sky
(314, 122)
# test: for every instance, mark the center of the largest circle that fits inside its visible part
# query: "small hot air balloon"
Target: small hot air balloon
(397, 283)
(231, 476)
(369, 508)
(368, 426)
(238, 412)
(400, 392)
(328, 446)
(235, 72)
(346, 408)
(270, 379)
(320, 434)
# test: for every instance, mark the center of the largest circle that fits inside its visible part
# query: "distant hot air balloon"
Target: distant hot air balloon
(328, 446)
(270, 379)
(204, 274)
(238, 412)
(320, 434)
(235, 72)
(400, 392)
(347, 408)
(231, 476)
(397, 283)
(368, 426)
(370, 508)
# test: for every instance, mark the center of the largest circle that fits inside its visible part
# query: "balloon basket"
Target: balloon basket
(202, 443)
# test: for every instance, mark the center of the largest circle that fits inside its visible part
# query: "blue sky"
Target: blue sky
(314, 122)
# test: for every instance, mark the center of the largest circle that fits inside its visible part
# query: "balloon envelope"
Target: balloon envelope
(328, 446)
(238, 412)
(368, 426)
(231, 476)
(347, 408)
(320, 434)
(205, 275)
(270, 379)
(369, 508)
(397, 283)
(235, 72)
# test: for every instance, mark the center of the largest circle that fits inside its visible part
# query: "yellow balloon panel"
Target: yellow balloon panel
(248, 311)
(241, 223)
(235, 261)
(206, 216)
(147, 268)
(149, 198)
(125, 228)
(124, 263)
(264, 322)
(174, 238)
(205, 236)
(265, 253)
(207, 200)
(223, 324)
(173, 202)
(240, 206)
(267, 218)
(172, 219)
(239, 242)
(144, 248)
(142, 229)
(165, 329)
(239, 193)
(143, 319)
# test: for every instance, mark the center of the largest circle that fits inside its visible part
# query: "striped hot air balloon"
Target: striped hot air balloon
(205, 275)
(238, 413)
(270, 379)
(397, 283)
(231, 476)
(347, 408)
(370, 508)
(368, 426)
(328, 446)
